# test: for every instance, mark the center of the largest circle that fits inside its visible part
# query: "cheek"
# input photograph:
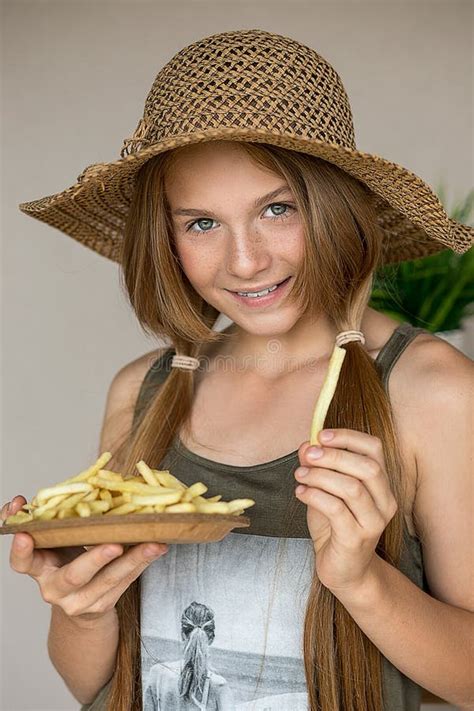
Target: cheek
(294, 246)
(199, 265)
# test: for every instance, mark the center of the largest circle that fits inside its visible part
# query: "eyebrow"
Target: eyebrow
(258, 203)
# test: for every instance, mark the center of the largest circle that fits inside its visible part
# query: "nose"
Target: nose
(247, 255)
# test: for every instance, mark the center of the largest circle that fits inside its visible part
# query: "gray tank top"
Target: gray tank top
(248, 592)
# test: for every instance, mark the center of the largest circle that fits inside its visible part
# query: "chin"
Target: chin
(271, 325)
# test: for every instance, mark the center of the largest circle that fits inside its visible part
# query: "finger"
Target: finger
(11, 507)
(87, 571)
(23, 558)
(343, 524)
(350, 490)
(116, 581)
(358, 442)
(360, 468)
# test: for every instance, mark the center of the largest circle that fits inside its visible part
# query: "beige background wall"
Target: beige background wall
(75, 76)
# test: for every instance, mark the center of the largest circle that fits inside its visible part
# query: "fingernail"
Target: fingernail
(9, 508)
(315, 452)
(153, 551)
(326, 435)
(111, 552)
(302, 471)
(299, 489)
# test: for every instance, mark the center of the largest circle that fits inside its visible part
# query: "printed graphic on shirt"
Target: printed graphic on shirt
(222, 623)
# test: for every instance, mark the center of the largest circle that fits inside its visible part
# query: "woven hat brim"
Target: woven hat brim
(413, 221)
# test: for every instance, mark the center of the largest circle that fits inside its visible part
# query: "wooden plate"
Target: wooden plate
(129, 528)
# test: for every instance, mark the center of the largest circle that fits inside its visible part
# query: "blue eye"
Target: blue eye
(286, 207)
(196, 222)
(202, 230)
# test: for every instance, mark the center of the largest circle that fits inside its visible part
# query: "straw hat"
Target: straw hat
(252, 85)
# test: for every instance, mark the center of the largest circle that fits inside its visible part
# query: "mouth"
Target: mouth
(267, 298)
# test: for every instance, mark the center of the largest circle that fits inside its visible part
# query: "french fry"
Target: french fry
(70, 501)
(172, 497)
(45, 494)
(327, 393)
(105, 494)
(106, 474)
(99, 506)
(84, 510)
(216, 507)
(101, 492)
(91, 495)
(119, 510)
(147, 473)
(91, 471)
(19, 517)
(167, 479)
(67, 513)
(181, 508)
(50, 504)
(194, 490)
(48, 515)
(239, 504)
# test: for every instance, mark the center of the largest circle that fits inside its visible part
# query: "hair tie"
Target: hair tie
(184, 362)
(347, 336)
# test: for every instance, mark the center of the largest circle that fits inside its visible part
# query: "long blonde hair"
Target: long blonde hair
(342, 246)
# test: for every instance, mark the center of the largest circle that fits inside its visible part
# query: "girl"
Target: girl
(242, 194)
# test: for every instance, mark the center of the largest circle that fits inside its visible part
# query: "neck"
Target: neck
(307, 344)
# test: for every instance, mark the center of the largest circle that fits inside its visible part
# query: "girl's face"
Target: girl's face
(236, 228)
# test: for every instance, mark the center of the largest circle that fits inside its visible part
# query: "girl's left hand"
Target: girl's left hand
(350, 504)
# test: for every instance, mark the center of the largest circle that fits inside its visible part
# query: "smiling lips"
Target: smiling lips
(264, 300)
(257, 289)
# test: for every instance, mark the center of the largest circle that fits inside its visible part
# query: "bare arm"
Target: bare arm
(83, 654)
(83, 587)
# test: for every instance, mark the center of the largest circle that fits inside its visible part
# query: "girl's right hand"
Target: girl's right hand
(86, 585)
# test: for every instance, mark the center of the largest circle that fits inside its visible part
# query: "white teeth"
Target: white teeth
(255, 294)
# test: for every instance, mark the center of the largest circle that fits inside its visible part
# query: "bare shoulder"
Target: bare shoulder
(440, 426)
(122, 396)
(436, 369)
(433, 377)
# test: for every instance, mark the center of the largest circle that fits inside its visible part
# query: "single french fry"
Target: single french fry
(45, 494)
(99, 506)
(120, 500)
(19, 517)
(70, 501)
(91, 471)
(165, 499)
(47, 515)
(105, 495)
(84, 510)
(181, 508)
(67, 513)
(147, 473)
(238, 504)
(50, 504)
(327, 393)
(106, 474)
(196, 489)
(129, 486)
(119, 510)
(167, 479)
(210, 500)
(216, 507)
